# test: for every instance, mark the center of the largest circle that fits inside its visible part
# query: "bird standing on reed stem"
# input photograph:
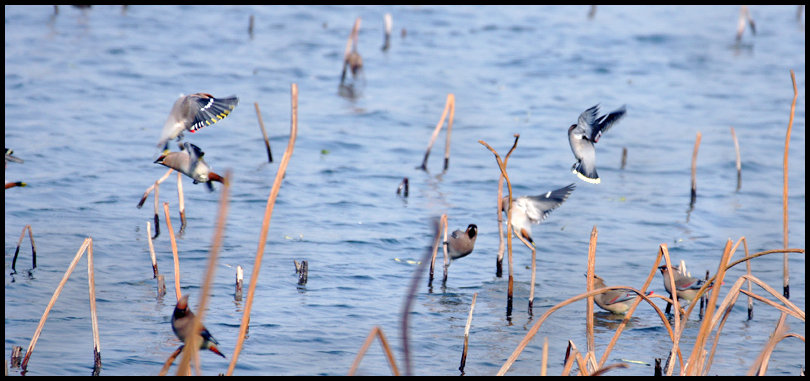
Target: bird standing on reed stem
(182, 319)
(192, 112)
(686, 286)
(461, 243)
(582, 137)
(535, 209)
(189, 161)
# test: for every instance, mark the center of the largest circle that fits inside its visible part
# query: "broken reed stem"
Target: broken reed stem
(748, 272)
(192, 344)
(589, 305)
(451, 99)
(33, 248)
(351, 44)
(444, 251)
(378, 332)
(499, 260)
(91, 288)
(544, 364)
(502, 167)
(406, 307)
(264, 132)
(169, 361)
(739, 164)
(670, 366)
(442, 222)
(87, 242)
(467, 334)
(449, 105)
(388, 23)
(239, 281)
(694, 169)
(624, 157)
(786, 281)
(157, 219)
(268, 212)
(572, 353)
(151, 187)
(174, 251)
(181, 202)
(403, 187)
(155, 271)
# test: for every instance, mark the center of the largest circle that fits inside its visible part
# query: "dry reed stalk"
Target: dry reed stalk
(544, 364)
(239, 281)
(446, 255)
(33, 248)
(174, 251)
(169, 361)
(87, 242)
(572, 354)
(155, 271)
(406, 307)
(589, 305)
(705, 326)
(442, 222)
(378, 332)
(499, 260)
(192, 344)
(669, 365)
(748, 271)
(153, 186)
(268, 212)
(535, 328)
(467, 334)
(181, 202)
(388, 23)
(624, 157)
(351, 46)
(91, 288)
(534, 270)
(264, 132)
(786, 281)
(739, 164)
(762, 360)
(502, 167)
(604, 370)
(449, 105)
(694, 169)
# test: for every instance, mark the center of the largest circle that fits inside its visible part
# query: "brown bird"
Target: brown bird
(182, 318)
(616, 301)
(189, 161)
(461, 243)
(686, 286)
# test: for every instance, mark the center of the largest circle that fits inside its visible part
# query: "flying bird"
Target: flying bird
(584, 134)
(189, 161)
(534, 209)
(193, 112)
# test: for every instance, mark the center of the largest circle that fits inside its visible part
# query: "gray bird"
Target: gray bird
(182, 318)
(616, 301)
(192, 112)
(461, 243)
(582, 137)
(189, 161)
(535, 209)
(686, 286)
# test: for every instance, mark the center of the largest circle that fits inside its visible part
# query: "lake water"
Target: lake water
(87, 93)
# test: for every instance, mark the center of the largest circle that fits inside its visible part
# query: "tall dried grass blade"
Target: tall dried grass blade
(378, 332)
(177, 291)
(268, 212)
(786, 280)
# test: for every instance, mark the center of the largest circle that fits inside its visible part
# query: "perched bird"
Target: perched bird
(687, 286)
(182, 318)
(192, 112)
(189, 161)
(616, 301)
(582, 137)
(461, 243)
(535, 209)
